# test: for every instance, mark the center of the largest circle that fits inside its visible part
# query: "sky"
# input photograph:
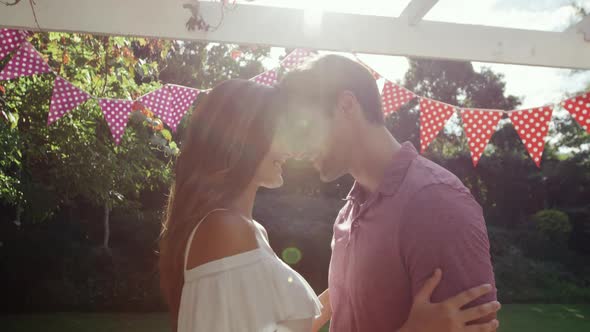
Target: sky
(537, 86)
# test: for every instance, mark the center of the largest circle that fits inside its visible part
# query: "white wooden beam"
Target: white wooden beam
(284, 27)
(416, 10)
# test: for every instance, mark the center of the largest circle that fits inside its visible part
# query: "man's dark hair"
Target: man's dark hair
(320, 82)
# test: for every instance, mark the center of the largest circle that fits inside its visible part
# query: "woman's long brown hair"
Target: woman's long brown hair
(229, 134)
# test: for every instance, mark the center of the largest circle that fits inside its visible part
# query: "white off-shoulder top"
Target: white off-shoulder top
(251, 291)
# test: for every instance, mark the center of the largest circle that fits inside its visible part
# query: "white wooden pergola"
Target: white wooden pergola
(406, 35)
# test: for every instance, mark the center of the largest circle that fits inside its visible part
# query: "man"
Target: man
(405, 215)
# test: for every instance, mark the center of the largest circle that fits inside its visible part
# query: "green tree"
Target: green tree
(51, 168)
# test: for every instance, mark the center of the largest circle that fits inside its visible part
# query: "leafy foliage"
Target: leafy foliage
(76, 157)
(553, 224)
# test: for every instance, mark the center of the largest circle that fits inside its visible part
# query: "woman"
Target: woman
(218, 272)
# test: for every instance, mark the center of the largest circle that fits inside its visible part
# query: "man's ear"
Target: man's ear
(347, 103)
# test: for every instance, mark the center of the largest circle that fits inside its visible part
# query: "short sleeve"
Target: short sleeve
(252, 291)
(444, 228)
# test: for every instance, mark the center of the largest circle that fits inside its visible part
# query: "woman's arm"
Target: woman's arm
(324, 317)
(451, 314)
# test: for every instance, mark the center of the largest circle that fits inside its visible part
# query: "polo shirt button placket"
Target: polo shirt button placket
(353, 228)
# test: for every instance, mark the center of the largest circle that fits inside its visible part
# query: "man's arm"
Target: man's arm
(444, 228)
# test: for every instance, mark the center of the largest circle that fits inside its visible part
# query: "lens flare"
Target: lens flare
(291, 255)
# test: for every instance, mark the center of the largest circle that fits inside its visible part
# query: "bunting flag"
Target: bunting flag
(236, 54)
(116, 113)
(296, 58)
(10, 40)
(532, 126)
(158, 102)
(181, 99)
(479, 127)
(394, 96)
(65, 97)
(579, 108)
(267, 78)
(26, 62)
(433, 117)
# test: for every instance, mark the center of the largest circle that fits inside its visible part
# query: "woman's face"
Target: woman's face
(270, 171)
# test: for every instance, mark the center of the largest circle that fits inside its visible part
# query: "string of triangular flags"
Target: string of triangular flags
(171, 102)
(532, 125)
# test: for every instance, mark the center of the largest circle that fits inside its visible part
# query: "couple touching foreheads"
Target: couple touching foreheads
(410, 251)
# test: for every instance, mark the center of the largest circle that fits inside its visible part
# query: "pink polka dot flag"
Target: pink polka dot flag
(296, 58)
(433, 117)
(267, 78)
(532, 126)
(181, 99)
(158, 101)
(394, 96)
(26, 62)
(579, 108)
(116, 113)
(479, 127)
(10, 40)
(65, 98)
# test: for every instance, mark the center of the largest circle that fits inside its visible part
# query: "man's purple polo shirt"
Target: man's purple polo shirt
(388, 243)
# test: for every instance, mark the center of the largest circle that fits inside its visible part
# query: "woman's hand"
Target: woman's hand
(448, 316)
(326, 314)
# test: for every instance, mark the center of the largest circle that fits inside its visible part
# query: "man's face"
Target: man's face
(321, 137)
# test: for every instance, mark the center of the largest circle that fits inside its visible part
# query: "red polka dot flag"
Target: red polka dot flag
(65, 98)
(267, 78)
(181, 99)
(433, 117)
(532, 126)
(394, 96)
(158, 102)
(116, 113)
(10, 40)
(296, 58)
(479, 127)
(579, 108)
(26, 62)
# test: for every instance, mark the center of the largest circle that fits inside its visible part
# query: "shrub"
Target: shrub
(553, 224)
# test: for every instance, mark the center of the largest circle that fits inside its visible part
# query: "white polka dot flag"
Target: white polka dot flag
(65, 98)
(532, 126)
(158, 102)
(433, 117)
(181, 99)
(26, 62)
(267, 78)
(296, 58)
(394, 96)
(579, 108)
(116, 112)
(479, 127)
(10, 40)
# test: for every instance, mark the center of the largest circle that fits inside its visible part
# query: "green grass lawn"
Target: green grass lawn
(513, 318)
